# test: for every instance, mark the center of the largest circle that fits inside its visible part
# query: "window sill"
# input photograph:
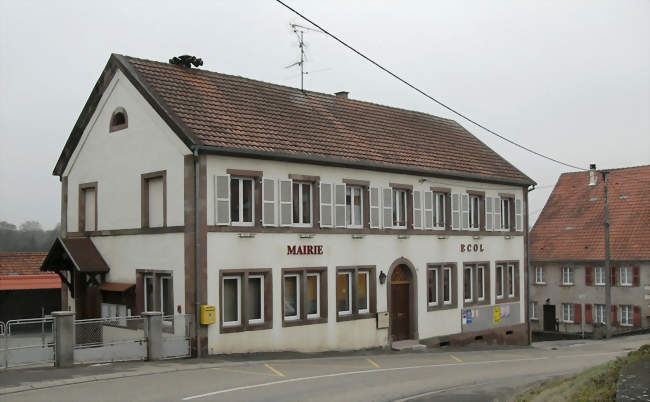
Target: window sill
(507, 300)
(296, 323)
(540, 283)
(470, 303)
(350, 317)
(567, 284)
(441, 307)
(245, 328)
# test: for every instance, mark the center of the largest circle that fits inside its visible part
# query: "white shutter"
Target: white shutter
(286, 202)
(417, 209)
(497, 213)
(268, 203)
(428, 209)
(375, 209)
(222, 199)
(518, 216)
(387, 206)
(339, 205)
(465, 211)
(455, 211)
(489, 213)
(326, 216)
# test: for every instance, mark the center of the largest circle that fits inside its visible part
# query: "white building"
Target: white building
(317, 215)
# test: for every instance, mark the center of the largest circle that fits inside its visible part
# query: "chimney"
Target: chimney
(592, 174)
(186, 61)
(342, 95)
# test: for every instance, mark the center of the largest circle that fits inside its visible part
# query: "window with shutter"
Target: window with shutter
(636, 276)
(518, 216)
(464, 206)
(354, 206)
(588, 315)
(428, 210)
(577, 316)
(417, 209)
(505, 214)
(375, 209)
(339, 205)
(497, 213)
(489, 213)
(399, 208)
(222, 192)
(326, 216)
(588, 276)
(268, 202)
(455, 211)
(440, 210)
(302, 203)
(387, 205)
(286, 202)
(637, 316)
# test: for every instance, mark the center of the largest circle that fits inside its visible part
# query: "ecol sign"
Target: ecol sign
(468, 248)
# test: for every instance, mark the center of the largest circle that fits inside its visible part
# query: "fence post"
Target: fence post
(153, 332)
(63, 338)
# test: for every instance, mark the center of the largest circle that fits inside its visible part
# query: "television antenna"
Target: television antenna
(299, 31)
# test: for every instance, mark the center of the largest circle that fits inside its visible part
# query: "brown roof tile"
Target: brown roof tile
(570, 226)
(21, 263)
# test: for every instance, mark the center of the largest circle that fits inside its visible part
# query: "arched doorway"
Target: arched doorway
(401, 301)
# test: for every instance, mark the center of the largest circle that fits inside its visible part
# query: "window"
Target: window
(88, 207)
(119, 311)
(599, 313)
(499, 281)
(343, 293)
(241, 201)
(480, 282)
(355, 292)
(399, 209)
(166, 296)
(505, 214)
(474, 212)
(231, 300)
(539, 275)
(446, 285)
(626, 318)
(119, 120)
(304, 296)
(599, 273)
(567, 275)
(511, 280)
(302, 204)
(533, 311)
(439, 210)
(149, 304)
(467, 284)
(354, 206)
(432, 293)
(154, 291)
(567, 312)
(153, 199)
(363, 292)
(625, 276)
(246, 300)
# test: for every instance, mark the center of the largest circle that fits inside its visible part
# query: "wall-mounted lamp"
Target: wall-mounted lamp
(306, 235)
(476, 237)
(507, 237)
(246, 235)
(442, 237)
(357, 236)
(382, 277)
(402, 236)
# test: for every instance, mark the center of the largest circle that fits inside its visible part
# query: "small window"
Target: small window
(474, 212)
(241, 201)
(439, 210)
(399, 209)
(480, 282)
(153, 202)
(354, 206)
(505, 214)
(467, 284)
(599, 313)
(539, 275)
(511, 281)
(626, 315)
(231, 301)
(626, 276)
(302, 204)
(119, 120)
(343, 293)
(599, 274)
(312, 295)
(446, 285)
(432, 294)
(567, 276)
(567, 312)
(533, 311)
(291, 297)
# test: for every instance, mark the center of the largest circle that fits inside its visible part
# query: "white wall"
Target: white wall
(116, 160)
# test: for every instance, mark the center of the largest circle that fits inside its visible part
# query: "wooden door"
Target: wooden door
(400, 311)
(549, 317)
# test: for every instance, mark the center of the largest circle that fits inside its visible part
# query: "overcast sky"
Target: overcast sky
(568, 79)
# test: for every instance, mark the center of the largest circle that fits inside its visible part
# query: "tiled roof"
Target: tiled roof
(570, 226)
(235, 113)
(21, 263)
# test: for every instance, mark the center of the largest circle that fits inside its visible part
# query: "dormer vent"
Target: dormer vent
(342, 94)
(186, 61)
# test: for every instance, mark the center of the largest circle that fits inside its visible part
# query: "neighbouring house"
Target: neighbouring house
(309, 221)
(25, 291)
(567, 244)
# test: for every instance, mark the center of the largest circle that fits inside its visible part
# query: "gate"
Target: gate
(28, 341)
(176, 336)
(109, 339)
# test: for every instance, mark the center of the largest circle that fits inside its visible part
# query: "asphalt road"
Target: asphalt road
(439, 374)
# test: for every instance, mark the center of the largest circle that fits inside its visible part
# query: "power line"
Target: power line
(467, 118)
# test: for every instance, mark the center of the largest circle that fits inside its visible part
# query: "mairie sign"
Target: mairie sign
(304, 250)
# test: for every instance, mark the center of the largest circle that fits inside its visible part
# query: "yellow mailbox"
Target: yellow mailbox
(208, 314)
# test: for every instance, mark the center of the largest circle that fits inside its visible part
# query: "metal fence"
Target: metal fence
(176, 336)
(28, 341)
(109, 339)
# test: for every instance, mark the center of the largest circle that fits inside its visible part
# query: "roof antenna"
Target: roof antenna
(299, 31)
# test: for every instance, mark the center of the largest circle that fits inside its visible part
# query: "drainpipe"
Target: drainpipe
(527, 234)
(197, 277)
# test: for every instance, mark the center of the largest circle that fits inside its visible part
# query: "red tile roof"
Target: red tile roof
(570, 226)
(21, 263)
(244, 117)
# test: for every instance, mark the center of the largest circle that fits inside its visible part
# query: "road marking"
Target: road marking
(373, 363)
(456, 358)
(408, 398)
(242, 371)
(316, 377)
(277, 373)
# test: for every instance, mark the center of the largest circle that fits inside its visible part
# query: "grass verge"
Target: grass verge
(596, 384)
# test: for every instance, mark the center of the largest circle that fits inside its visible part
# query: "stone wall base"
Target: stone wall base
(511, 335)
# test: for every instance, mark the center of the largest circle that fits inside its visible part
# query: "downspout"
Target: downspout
(197, 277)
(527, 234)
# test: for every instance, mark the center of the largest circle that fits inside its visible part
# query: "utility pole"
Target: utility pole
(608, 282)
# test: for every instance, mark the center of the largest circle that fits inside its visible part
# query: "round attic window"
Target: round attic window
(119, 120)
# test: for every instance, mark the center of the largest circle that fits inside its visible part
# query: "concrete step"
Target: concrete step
(407, 344)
